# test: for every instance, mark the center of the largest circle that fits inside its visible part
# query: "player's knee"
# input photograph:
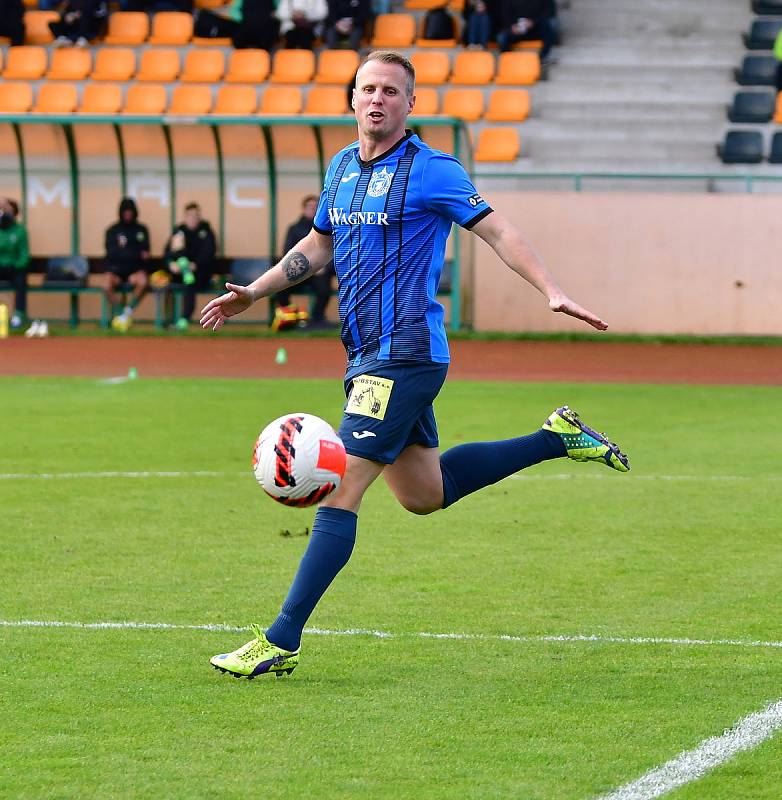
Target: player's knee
(421, 505)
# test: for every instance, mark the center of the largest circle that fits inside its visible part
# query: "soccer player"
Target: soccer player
(384, 216)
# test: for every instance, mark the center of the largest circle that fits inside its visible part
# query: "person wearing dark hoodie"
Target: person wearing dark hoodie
(12, 21)
(14, 257)
(127, 251)
(80, 22)
(522, 20)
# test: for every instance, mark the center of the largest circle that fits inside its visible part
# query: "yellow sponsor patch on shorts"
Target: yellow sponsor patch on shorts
(369, 396)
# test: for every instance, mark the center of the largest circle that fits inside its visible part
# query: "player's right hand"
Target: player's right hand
(233, 302)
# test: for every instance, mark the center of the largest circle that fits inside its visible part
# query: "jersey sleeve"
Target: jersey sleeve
(447, 190)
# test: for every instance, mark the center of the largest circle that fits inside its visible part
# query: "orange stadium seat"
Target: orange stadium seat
(159, 65)
(422, 5)
(473, 67)
(56, 98)
(209, 3)
(25, 63)
(393, 30)
(326, 100)
(191, 100)
(36, 26)
(145, 99)
(101, 98)
(293, 66)
(456, 5)
(171, 27)
(441, 43)
(114, 64)
(127, 27)
(70, 64)
(15, 98)
(247, 66)
(497, 144)
(337, 66)
(778, 109)
(465, 104)
(281, 100)
(508, 105)
(203, 66)
(236, 100)
(431, 67)
(518, 69)
(528, 44)
(427, 102)
(30, 4)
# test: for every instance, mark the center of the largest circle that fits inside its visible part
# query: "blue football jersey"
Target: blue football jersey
(389, 219)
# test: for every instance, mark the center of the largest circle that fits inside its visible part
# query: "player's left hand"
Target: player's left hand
(233, 302)
(565, 305)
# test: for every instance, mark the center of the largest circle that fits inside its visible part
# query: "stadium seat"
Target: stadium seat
(36, 26)
(508, 105)
(752, 107)
(768, 8)
(757, 71)
(431, 68)
(778, 109)
(247, 66)
(70, 64)
(15, 98)
(464, 104)
(761, 34)
(209, 3)
(145, 99)
(393, 31)
(236, 100)
(445, 44)
(203, 66)
(326, 100)
(517, 69)
(56, 98)
(422, 5)
(775, 154)
(473, 67)
(101, 98)
(159, 65)
(528, 44)
(171, 27)
(281, 100)
(497, 144)
(25, 63)
(293, 66)
(127, 27)
(191, 100)
(337, 67)
(741, 147)
(114, 64)
(427, 102)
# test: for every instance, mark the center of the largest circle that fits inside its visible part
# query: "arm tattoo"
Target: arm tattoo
(295, 266)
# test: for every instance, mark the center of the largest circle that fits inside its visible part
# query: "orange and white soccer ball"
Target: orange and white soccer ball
(299, 460)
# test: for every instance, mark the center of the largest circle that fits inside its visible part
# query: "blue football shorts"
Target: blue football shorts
(389, 407)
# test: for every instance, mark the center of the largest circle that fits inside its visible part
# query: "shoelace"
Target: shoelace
(255, 647)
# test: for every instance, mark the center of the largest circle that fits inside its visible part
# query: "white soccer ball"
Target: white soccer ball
(299, 460)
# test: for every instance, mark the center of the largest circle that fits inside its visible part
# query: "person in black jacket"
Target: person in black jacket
(80, 22)
(528, 19)
(345, 22)
(248, 23)
(127, 251)
(190, 258)
(12, 20)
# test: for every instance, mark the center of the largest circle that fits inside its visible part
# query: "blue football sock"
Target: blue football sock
(470, 467)
(328, 550)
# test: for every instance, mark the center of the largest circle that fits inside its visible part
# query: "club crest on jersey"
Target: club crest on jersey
(380, 183)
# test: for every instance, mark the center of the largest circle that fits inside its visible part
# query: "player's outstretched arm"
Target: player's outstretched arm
(506, 240)
(311, 254)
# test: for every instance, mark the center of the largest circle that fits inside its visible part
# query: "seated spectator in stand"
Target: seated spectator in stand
(190, 258)
(248, 23)
(14, 257)
(320, 283)
(481, 22)
(300, 21)
(80, 22)
(345, 23)
(778, 56)
(127, 253)
(12, 20)
(156, 5)
(522, 20)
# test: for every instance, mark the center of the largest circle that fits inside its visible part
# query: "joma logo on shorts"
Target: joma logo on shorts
(338, 216)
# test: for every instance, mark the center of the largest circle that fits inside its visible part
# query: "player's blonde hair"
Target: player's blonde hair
(392, 57)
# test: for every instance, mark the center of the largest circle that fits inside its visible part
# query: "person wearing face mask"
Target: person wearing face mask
(14, 257)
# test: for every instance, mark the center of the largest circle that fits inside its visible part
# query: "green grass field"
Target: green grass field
(685, 546)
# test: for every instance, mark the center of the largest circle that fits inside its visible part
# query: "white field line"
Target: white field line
(476, 637)
(691, 765)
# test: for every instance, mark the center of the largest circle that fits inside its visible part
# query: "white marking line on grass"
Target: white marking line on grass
(21, 476)
(479, 637)
(691, 765)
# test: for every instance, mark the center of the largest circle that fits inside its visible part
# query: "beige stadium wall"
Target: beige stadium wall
(647, 263)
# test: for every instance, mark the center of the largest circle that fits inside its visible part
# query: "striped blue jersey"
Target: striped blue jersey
(389, 219)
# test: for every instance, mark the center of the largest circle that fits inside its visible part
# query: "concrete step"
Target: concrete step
(616, 90)
(622, 131)
(665, 54)
(620, 112)
(639, 151)
(696, 75)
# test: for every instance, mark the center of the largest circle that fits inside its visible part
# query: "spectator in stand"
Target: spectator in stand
(522, 20)
(12, 20)
(156, 5)
(481, 21)
(778, 56)
(127, 253)
(14, 257)
(320, 282)
(190, 258)
(300, 21)
(248, 23)
(80, 22)
(345, 23)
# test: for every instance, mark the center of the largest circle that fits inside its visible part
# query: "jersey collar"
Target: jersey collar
(376, 159)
